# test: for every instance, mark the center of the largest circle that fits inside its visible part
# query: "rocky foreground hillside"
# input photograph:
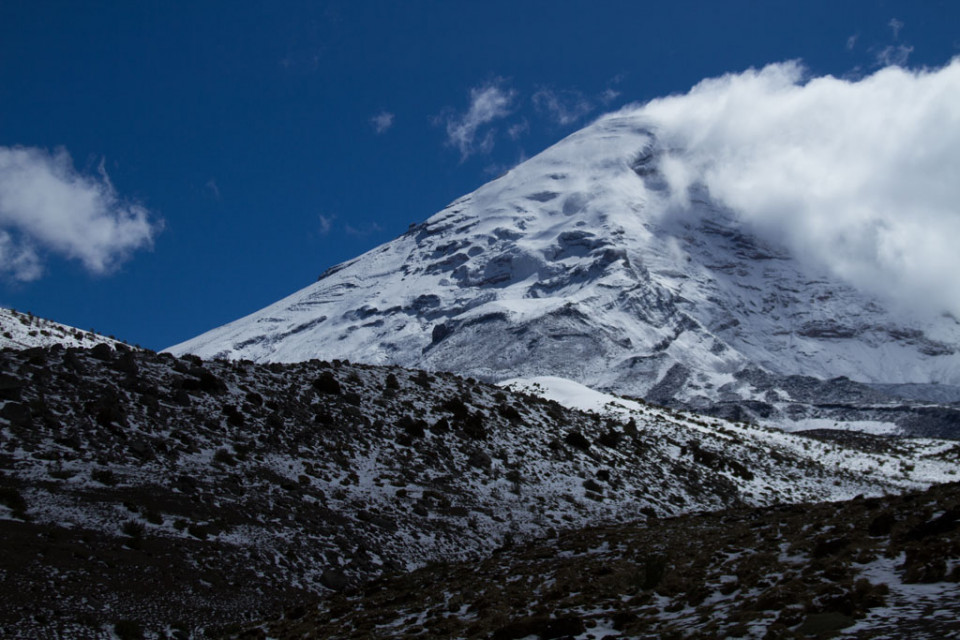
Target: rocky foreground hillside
(868, 568)
(148, 493)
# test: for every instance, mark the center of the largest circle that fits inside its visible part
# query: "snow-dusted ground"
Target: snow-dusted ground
(314, 474)
(912, 463)
(866, 568)
(912, 610)
(24, 330)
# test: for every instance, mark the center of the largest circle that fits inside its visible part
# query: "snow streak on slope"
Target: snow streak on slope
(582, 263)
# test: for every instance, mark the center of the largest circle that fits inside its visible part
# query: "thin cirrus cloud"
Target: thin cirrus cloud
(894, 54)
(860, 175)
(367, 229)
(895, 26)
(565, 107)
(48, 207)
(468, 131)
(212, 189)
(562, 107)
(325, 224)
(471, 132)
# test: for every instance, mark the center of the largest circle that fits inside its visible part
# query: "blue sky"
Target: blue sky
(198, 161)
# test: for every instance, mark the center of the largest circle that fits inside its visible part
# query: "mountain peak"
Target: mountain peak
(584, 262)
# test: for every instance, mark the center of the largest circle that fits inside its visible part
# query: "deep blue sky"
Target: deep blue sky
(248, 129)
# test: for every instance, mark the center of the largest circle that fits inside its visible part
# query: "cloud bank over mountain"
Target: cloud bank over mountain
(860, 175)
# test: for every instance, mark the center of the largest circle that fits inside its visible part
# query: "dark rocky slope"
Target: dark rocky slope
(162, 493)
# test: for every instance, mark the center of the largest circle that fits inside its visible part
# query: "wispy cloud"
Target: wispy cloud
(896, 55)
(895, 26)
(515, 131)
(362, 231)
(568, 106)
(19, 259)
(852, 41)
(608, 96)
(488, 103)
(47, 206)
(212, 188)
(382, 122)
(325, 224)
(562, 107)
(859, 176)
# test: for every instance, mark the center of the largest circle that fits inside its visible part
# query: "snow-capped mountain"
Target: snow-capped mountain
(583, 263)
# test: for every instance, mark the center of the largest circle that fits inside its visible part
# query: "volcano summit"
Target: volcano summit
(587, 262)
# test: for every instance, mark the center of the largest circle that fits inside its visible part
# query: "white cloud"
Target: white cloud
(47, 206)
(852, 41)
(19, 259)
(382, 122)
(488, 103)
(859, 175)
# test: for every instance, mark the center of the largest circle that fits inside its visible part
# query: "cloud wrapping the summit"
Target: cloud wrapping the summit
(47, 206)
(861, 176)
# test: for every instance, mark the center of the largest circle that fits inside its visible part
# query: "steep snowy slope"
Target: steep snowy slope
(582, 263)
